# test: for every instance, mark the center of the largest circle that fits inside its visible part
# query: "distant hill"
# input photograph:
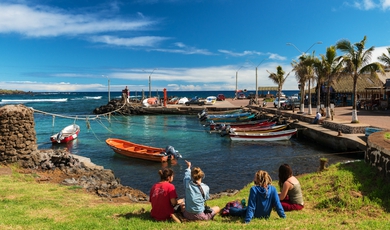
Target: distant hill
(6, 91)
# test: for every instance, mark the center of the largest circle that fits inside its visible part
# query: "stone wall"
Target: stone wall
(378, 153)
(18, 137)
(18, 145)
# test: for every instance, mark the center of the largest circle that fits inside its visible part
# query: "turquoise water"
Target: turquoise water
(227, 164)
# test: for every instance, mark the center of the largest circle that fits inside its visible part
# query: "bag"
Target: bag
(232, 204)
(207, 209)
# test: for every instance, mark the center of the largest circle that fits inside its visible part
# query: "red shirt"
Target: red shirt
(160, 196)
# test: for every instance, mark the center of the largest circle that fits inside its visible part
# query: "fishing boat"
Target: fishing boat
(233, 119)
(258, 129)
(67, 134)
(231, 115)
(144, 152)
(261, 123)
(269, 136)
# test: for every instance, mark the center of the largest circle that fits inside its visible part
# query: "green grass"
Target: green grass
(345, 196)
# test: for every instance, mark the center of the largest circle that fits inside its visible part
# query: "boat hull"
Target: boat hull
(134, 150)
(259, 129)
(271, 136)
(69, 133)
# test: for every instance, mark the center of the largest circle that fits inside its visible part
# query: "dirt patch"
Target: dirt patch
(5, 171)
(120, 195)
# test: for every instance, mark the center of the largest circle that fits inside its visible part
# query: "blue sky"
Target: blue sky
(64, 45)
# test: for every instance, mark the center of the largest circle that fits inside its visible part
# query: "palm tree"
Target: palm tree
(279, 79)
(309, 62)
(328, 70)
(356, 61)
(301, 74)
(385, 58)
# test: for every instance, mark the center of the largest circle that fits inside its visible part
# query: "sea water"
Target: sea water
(227, 164)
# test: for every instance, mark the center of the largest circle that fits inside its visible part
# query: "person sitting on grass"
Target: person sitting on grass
(263, 197)
(291, 192)
(163, 196)
(196, 194)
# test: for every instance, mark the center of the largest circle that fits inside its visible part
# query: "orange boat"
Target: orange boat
(144, 152)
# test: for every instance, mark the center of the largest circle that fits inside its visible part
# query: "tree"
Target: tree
(357, 61)
(279, 79)
(302, 74)
(385, 58)
(328, 69)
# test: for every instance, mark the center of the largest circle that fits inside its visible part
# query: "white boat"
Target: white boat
(270, 136)
(210, 100)
(67, 134)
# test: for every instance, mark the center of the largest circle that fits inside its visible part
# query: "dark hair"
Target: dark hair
(285, 172)
(165, 173)
(197, 174)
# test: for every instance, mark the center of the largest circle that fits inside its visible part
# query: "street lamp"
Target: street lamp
(236, 79)
(304, 53)
(257, 90)
(150, 82)
(108, 87)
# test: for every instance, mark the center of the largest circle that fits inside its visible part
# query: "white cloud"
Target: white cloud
(41, 21)
(136, 41)
(371, 4)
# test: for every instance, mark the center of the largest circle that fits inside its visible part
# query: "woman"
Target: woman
(163, 196)
(262, 198)
(291, 193)
(196, 194)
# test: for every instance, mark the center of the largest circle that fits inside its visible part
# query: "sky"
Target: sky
(180, 45)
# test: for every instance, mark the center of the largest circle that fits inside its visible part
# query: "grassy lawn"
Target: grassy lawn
(345, 196)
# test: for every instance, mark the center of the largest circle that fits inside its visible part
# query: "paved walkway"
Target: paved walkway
(376, 118)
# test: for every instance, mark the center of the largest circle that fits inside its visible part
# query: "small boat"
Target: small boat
(270, 136)
(67, 134)
(260, 123)
(231, 115)
(234, 119)
(144, 152)
(258, 129)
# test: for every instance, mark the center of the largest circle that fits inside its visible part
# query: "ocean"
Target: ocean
(227, 164)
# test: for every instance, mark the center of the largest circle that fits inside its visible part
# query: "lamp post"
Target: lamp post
(237, 79)
(304, 53)
(257, 90)
(150, 82)
(108, 87)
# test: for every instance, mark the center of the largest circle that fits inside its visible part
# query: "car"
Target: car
(210, 100)
(195, 101)
(220, 97)
(282, 100)
(241, 95)
(251, 96)
(292, 103)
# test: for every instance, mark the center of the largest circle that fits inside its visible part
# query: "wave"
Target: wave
(87, 98)
(4, 101)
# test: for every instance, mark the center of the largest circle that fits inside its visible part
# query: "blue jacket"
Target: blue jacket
(261, 202)
(194, 201)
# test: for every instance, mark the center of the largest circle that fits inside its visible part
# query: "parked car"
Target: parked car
(195, 101)
(251, 96)
(292, 103)
(220, 97)
(282, 100)
(183, 100)
(241, 95)
(210, 100)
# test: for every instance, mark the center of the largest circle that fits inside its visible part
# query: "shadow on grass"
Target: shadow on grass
(372, 183)
(140, 214)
